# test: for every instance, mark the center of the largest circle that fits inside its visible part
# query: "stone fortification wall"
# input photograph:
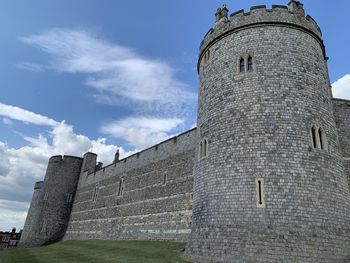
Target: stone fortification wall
(31, 226)
(145, 196)
(264, 192)
(342, 119)
(52, 202)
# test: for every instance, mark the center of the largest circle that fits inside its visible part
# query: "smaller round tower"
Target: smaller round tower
(52, 202)
(33, 216)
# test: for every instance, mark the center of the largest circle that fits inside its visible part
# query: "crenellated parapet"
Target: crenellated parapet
(292, 15)
(59, 158)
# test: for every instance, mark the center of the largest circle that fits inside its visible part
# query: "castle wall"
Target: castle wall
(155, 202)
(264, 189)
(342, 119)
(31, 226)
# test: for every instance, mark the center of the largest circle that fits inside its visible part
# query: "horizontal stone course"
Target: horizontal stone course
(258, 124)
(149, 207)
(258, 127)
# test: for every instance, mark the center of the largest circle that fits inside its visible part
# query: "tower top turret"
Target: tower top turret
(292, 15)
(116, 157)
(296, 7)
(221, 15)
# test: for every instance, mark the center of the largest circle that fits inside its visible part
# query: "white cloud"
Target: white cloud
(13, 214)
(21, 167)
(106, 151)
(25, 116)
(142, 131)
(66, 141)
(118, 74)
(341, 87)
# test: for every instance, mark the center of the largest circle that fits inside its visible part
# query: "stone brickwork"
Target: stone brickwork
(264, 178)
(258, 123)
(156, 201)
(342, 119)
(31, 227)
(261, 16)
(52, 202)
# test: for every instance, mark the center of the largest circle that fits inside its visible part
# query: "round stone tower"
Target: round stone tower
(269, 184)
(54, 202)
(31, 227)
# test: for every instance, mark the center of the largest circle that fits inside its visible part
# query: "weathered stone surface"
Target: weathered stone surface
(51, 205)
(342, 119)
(262, 191)
(31, 229)
(258, 126)
(156, 203)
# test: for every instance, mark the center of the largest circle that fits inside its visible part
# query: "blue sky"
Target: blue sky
(92, 75)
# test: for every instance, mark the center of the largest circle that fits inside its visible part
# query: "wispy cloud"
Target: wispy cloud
(142, 131)
(31, 66)
(16, 113)
(341, 87)
(118, 74)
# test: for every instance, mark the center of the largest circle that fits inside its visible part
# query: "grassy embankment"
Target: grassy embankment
(95, 251)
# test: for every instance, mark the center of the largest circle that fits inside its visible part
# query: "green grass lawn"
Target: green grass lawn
(96, 251)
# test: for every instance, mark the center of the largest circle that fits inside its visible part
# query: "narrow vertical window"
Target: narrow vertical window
(320, 135)
(44, 226)
(205, 147)
(241, 65)
(46, 195)
(69, 198)
(94, 194)
(121, 187)
(165, 177)
(260, 195)
(313, 135)
(250, 63)
(200, 150)
(207, 56)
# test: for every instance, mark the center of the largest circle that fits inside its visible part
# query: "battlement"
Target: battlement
(292, 15)
(38, 185)
(172, 146)
(59, 158)
(341, 101)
